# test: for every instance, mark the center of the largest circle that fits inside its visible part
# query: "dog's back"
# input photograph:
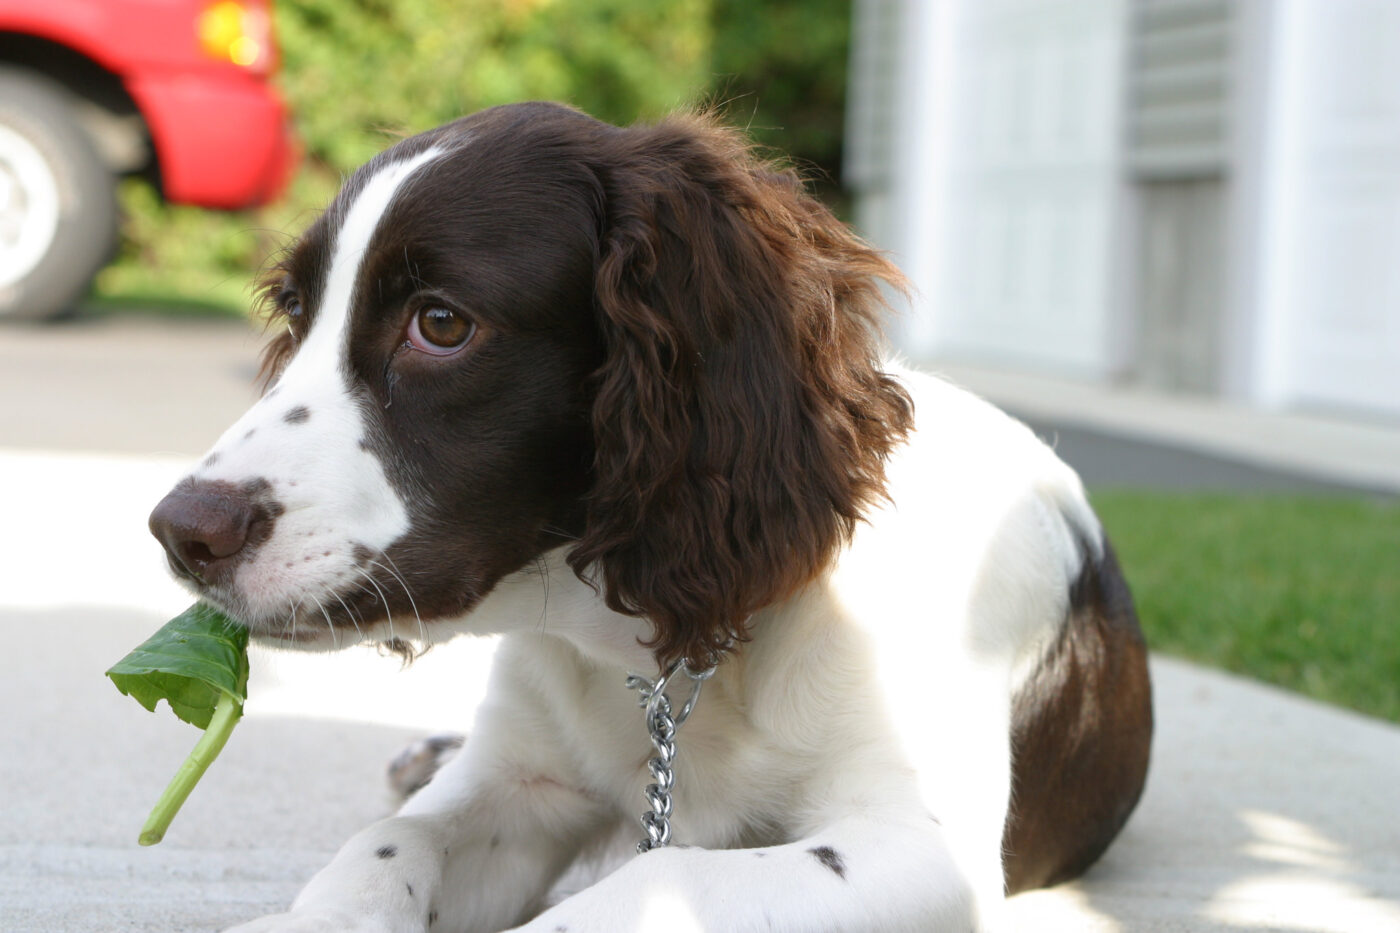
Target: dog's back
(1001, 552)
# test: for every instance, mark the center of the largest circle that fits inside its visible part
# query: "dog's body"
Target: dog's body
(649, 424)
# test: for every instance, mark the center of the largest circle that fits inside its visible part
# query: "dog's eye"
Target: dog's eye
(439, 331)
(289, 303)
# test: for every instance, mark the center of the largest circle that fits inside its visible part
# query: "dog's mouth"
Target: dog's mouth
(318, 617)
(283, 566)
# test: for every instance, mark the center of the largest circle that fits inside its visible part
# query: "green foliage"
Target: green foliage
(1301, 592)
(198, 663)
(188, 663)
(782, 66)
(359, 75)
(170, 253)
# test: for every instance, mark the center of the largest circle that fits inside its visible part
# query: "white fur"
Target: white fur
(335, 493)
(869, 714)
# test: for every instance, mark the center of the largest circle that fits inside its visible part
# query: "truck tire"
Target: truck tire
(58, 211)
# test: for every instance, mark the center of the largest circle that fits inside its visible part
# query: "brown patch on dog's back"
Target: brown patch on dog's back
(1081, 735)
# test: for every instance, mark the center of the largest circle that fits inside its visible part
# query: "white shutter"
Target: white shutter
(1034, 168)
(1332, 293)
(1179, 88)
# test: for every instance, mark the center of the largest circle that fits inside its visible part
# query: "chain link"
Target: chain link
(662, 726)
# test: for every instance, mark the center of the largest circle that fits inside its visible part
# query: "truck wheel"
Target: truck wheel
(58, 211)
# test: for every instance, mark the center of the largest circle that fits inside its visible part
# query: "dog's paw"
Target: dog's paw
(414, 767)
(318, 921)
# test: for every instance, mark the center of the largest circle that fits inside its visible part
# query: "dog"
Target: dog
(619, 394)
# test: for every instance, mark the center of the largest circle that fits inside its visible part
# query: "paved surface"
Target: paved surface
(1125, 435)
(130, 385)
(1263, 811)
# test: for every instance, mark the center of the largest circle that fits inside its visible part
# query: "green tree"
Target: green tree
(359, 75)
(782, 64)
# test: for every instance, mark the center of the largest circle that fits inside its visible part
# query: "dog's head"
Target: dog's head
(528, 330)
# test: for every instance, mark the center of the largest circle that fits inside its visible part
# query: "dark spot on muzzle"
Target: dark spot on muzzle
(299, 415)
(209, 527)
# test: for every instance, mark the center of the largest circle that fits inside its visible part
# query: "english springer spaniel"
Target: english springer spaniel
(617, 394)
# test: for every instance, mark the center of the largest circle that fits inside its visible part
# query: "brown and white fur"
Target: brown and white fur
(617, 394)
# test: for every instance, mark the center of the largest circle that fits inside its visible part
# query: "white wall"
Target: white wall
(1329, 315)
(987, 151)
(1010, 240)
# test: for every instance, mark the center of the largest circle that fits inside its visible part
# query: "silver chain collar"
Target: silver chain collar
(662, 726)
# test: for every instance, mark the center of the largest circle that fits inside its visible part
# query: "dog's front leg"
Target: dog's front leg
(476, 850)
(384, 880)
(856, 876)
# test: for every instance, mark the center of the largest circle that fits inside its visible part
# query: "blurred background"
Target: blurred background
(1196, 196)
(354, 77)
(1164, 232)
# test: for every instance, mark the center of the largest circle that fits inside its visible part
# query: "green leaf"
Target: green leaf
(190, 662)
(198, 663)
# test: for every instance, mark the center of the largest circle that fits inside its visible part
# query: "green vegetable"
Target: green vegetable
(198, 663)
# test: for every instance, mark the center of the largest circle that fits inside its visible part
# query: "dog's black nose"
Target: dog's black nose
(206, 528)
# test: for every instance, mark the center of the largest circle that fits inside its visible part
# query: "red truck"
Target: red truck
(91, 90)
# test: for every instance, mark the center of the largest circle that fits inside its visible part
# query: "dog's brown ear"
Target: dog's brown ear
(742, 418)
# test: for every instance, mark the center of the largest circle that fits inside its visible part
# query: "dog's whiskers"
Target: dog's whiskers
(393, 571)
(329, 624)
(380, 595)
(542, 568)
(351, 614)
(292, 616)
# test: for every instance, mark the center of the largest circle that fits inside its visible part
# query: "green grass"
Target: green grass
(158, 303)
(1300, 592)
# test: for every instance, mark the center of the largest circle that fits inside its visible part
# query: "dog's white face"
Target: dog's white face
(424, 435)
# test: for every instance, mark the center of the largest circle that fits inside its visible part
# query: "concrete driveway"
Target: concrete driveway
(1263, 811)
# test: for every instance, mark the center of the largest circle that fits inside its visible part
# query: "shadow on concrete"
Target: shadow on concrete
(1105, 459)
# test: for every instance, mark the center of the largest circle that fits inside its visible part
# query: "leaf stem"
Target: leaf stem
(226, 715)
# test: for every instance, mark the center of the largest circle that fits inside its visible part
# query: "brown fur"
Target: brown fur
(1081, 735)
(741, 418)
(680, 372)
(278, 351)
